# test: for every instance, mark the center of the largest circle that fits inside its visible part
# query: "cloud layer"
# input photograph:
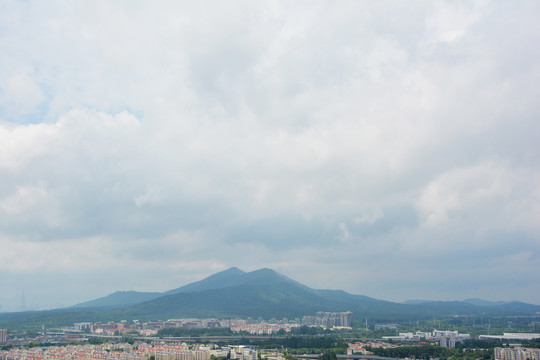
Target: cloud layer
(384, 148)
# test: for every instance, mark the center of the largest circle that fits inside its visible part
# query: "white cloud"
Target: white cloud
(450, 21)
(369, 218)
(461, 190)
(265, 131)
(21, 144)
(22, 92)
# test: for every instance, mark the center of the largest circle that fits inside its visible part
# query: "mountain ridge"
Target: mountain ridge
(264, 293)
(230, 277)
(120, 298)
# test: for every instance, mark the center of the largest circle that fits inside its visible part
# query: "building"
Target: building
(243, 353)
(201, 355)
(447, 341)
(517, 353)
(82, 326)
(408, 336)
(346, 319)
(3, 336)
(510, 336)
(329, 319)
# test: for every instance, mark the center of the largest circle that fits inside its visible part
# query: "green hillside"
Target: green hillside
(120, 298)
(262, 293)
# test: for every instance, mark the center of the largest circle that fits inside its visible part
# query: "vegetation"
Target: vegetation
(289, 356)
(427, 352)
(308, 330)
(328, 355)
(479, 344)
(532, 344)
(303, 344)
(267, 294)
(183, 332)
(467, 350)
(96, 341)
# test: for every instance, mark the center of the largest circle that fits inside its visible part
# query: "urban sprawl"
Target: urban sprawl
(79, 340)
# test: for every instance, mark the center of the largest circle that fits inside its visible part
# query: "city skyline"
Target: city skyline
(388, 148)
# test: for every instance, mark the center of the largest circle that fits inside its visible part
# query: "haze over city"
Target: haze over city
(385, 148)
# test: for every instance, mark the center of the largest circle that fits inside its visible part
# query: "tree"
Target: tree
(328, 355)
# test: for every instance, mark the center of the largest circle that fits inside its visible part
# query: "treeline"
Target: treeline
(304, 344)
(479, 344)
(532, 344)
(427, 352)
(308, 330)
(417, 352)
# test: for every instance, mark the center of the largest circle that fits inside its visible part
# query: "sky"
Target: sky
(386, 148)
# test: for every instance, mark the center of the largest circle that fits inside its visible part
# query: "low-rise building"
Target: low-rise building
(511, 336)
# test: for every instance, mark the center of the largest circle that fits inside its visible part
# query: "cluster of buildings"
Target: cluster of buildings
(152, 327)
(107, 351)
(256, 327)
(361, 347)
(517, 353)
(329, 319)
(124, 351)
(79, 331)
(445, 338)
(263, 328)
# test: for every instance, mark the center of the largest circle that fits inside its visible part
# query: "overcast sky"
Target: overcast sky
(386, 148)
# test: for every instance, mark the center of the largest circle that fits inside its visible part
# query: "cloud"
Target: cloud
(448, 22)
(460, 191)
(187, 138)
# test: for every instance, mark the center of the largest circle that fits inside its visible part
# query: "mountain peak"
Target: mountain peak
(266, 276)
(265, 271)
(215, 281)
(232, 270)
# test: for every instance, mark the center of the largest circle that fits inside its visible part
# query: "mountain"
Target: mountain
(262, 293)
(233, 292)
(267, 293)
(416, 302)
(481, 302)
(120, 298)
(224, 279)
(125, 298)
(217, 281)
(472, 301)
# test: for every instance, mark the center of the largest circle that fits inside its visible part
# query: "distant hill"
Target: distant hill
(262, 293)
(224, 279)
(481, 302)
(267, 293)
(120, 298)
(472, 301)
(416, 302)
(124, 298)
